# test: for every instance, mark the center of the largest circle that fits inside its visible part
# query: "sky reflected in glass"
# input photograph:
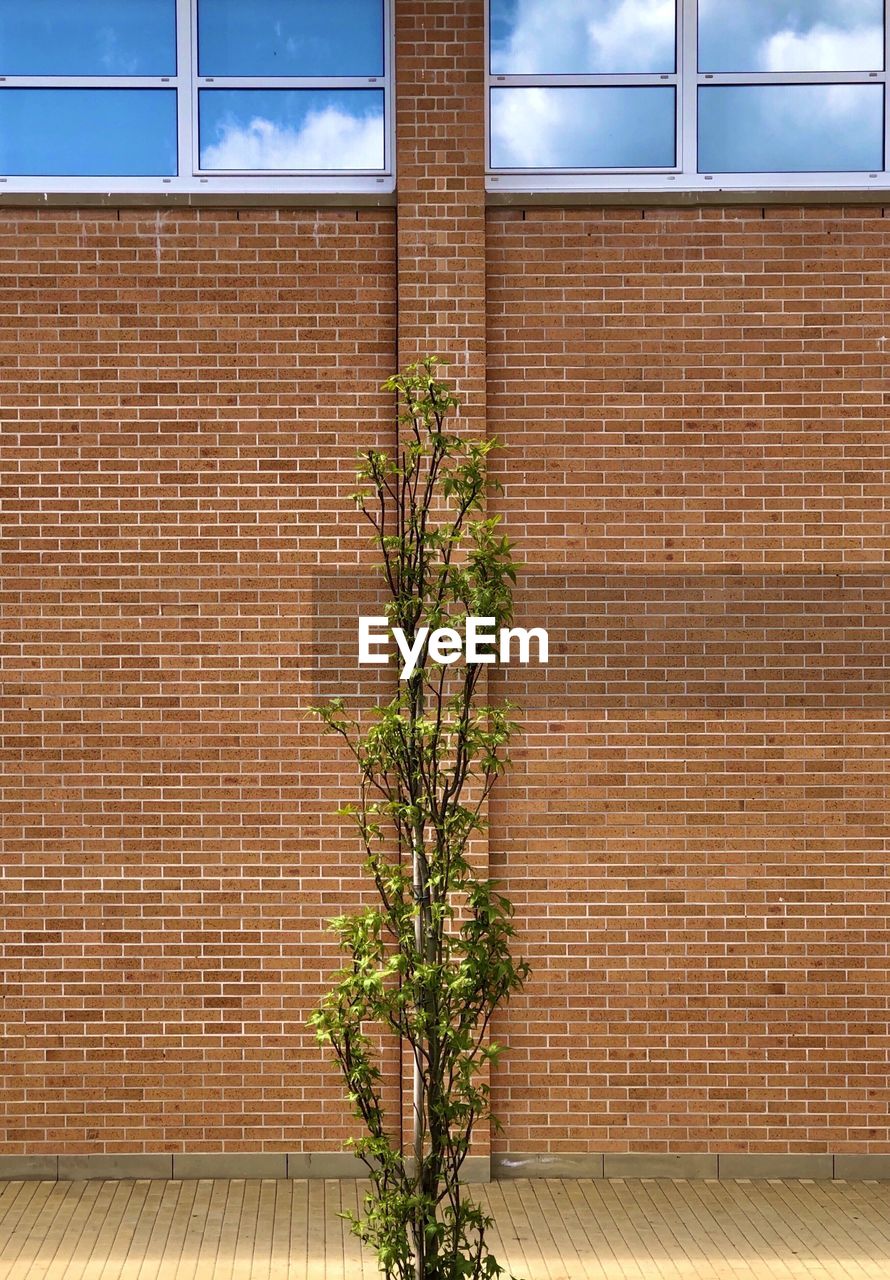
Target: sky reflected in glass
(290, 38)
(87, 37)
(530, 37)
(790, 128)
(327, 129)
(791, 35)
(621, 128)
(88, 132)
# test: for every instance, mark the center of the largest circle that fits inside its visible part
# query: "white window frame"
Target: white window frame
(191, 180)
(687, 79)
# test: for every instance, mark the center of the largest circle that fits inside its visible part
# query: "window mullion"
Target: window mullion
(184, 80)
(583, 80)
(389, 101)
(289, 82)
(88, 82)
(687, 68)
(789, 77)
(885, 75)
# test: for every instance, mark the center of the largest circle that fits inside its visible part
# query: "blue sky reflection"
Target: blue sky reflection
(88, 132)
(790, 128)
(87, 37)
(290, 38)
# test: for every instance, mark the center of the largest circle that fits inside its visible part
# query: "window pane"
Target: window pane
(88, 132)
(794, 35)
(790, 128)
(87, 37)
(608, 128)
(290, 38)
(577, 36)
(328, 129)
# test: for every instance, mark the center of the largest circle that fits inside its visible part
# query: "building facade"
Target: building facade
(688, 373)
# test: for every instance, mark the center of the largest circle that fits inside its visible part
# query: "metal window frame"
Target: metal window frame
(191, 180)
(688, 79)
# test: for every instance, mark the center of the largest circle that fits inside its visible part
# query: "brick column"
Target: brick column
(440, 157)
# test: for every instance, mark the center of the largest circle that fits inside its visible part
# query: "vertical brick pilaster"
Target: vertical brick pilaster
(441, 191)
(440, 153)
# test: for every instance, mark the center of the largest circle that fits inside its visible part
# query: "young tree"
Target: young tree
(430, 961)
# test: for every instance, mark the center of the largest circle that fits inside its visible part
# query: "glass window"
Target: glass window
(790, 128)
(262, 129)
(188, 95)
(791, 35)
(290, 38)
(574, 36)
(585, 128)
(694, 95)
(89, 132)
(87, 37)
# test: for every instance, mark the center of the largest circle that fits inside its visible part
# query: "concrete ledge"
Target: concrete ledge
(643, 1164)
(533, 1164)
(854, 1168)
(145, 1165)
(476, 1169)
(473, 1169)
(750, 1165)
(325, 1164)
(499, 196)
(230, 1164)
(197, 199)
(29, 1168)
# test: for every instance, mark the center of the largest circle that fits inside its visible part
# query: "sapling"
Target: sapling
(429, 962)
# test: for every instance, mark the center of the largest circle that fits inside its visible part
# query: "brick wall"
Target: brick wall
(183, 397)
(697, 828)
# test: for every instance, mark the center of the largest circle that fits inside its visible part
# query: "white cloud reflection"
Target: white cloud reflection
(528, 125)
(822, 48)
(582, 128)
(325, 139)
(574, 36)
(798, 35)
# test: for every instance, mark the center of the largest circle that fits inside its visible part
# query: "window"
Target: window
(195, 95)
(687, 94)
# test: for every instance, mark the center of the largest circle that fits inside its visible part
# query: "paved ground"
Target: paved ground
(631, 1229)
